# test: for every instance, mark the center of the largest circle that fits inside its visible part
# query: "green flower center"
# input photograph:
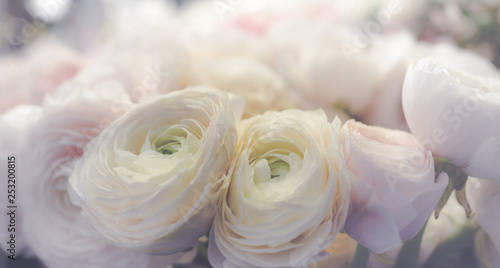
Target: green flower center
(169, 146)
(278, 167)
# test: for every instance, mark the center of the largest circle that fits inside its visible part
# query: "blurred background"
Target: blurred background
(82, 27)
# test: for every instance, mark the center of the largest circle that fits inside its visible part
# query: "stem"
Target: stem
(408, 256)
(360, 257)
(457, 251)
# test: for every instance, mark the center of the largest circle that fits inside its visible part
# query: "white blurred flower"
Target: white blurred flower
(151, 180)
(288, 195)
(311, 58)
(226, 43)
(394, 189)
(55, 229)
(258, 84)
(393, 53)
(454, 114)
(484, 199)
(145, 45)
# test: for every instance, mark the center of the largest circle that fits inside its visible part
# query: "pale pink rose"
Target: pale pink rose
(454, 114)
(53, 62)
(394, 190)
(54, 228)
(39, 69)
(14, 124)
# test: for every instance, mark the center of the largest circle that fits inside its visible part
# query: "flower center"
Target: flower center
(270, 168)
(278, 167)
(168, 146)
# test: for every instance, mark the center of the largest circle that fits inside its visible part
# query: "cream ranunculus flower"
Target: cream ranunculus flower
(151, 181)
(455, 115)
(288, 195)
(55, 229)
(394, 188)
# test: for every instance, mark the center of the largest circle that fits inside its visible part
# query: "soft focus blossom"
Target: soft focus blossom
(151, 179)
(393, 53)
(394, 190)
(36, 71)
(454, 114)
(149, 59)
(484, 198)
(258, 84)
(312, 59)
(288, 195)
(14, 124)
(54, 146)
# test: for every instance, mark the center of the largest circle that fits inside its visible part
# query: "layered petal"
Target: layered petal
(394, 189)
(151, 180)
(55, 229)
(288, 193)
(454, 114)
(484, 199)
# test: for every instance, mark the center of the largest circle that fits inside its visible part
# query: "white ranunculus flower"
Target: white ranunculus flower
(455, 115)
(151, 180)
(55, 229)
(258, 84)
(288, 195)
(394, 188)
